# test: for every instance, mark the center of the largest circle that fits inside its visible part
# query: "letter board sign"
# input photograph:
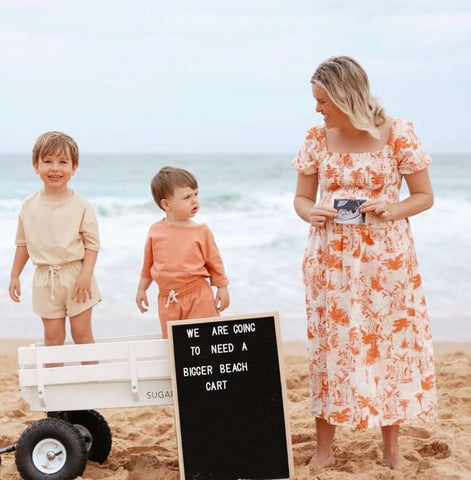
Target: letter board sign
(230, 400)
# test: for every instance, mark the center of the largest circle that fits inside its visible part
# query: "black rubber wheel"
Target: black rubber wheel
(96, 431)
(51, 449)
(93, 428)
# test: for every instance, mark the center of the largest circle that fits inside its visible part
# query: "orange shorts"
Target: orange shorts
(195, 300)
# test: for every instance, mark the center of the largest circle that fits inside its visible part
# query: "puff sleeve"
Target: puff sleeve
(410, 155)
(309, 155)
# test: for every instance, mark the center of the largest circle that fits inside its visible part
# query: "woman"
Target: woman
(370, 348)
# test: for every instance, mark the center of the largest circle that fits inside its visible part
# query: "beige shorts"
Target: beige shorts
(52, 289)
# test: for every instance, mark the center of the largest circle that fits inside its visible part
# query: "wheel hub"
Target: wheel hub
(85, 433)
(49, 455)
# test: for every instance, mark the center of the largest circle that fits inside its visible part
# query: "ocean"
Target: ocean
(247, 202)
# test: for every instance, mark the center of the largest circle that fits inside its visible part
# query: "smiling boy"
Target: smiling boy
(58, 231)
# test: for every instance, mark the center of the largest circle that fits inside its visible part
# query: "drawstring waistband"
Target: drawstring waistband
(182, 290)
(52, 272)
(172, 297)
(49, 275)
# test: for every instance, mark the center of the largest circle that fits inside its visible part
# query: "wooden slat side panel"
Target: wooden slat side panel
(113, 351)
(106, 372)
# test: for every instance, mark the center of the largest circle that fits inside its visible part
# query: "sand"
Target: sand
(144, 444)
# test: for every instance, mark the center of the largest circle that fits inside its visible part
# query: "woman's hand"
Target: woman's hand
(319, 214)
(420, 199)
(379, 208)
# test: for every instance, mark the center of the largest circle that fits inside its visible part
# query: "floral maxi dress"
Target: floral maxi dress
(370, 347)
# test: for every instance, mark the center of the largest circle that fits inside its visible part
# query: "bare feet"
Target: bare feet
(395, 460)
(322, 460)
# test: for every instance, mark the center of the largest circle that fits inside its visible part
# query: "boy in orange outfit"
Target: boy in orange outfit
(180, 254)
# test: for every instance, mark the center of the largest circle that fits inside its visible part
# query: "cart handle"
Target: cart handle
(10, 448)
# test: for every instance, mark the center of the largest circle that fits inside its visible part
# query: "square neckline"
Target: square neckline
(372, 152)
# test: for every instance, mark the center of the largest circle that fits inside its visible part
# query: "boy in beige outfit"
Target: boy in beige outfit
(58, 230)
(181, 254)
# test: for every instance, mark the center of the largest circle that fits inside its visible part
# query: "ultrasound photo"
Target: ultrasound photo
(349, 211)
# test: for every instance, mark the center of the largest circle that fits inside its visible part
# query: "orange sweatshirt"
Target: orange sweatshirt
(176, 255)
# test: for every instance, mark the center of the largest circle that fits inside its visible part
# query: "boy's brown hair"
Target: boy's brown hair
(52, 143)
(167, 178)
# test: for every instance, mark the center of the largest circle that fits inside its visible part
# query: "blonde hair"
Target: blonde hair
(167, 178)
(348, 87)
(53, 143)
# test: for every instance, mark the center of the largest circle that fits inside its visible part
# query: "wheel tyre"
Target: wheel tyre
(54, 430)
(96, 425)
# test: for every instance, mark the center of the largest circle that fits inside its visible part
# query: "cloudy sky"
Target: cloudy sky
(177, 76)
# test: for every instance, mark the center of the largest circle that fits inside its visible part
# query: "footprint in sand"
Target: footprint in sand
(144, 417)
(435, 449)
(302, 437)
(416, 432)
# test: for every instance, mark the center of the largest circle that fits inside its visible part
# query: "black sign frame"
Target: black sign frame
(230, 399)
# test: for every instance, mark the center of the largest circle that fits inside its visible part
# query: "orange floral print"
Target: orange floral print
(376, 284)
(428, 383)
(400, 324)
(394, 263)
(337, 245)
(370, 348)
(365, 235)
(341, 417)
(363, 423)
(338, 315)
(417, 281)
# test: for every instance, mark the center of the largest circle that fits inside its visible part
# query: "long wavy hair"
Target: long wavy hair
(348, 87)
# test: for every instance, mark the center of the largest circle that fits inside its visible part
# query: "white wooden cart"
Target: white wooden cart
(127, 371)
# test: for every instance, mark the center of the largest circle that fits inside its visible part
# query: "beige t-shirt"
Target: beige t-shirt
(57, 233)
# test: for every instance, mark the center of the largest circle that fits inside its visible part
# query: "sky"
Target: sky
(212, 76)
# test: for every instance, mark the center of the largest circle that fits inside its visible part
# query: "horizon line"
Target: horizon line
(247, 153)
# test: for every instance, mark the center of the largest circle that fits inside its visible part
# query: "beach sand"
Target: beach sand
(144, 444)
